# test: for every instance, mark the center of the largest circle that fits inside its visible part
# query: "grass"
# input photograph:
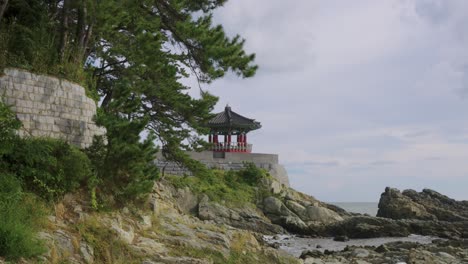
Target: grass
(108, 248)
(21, 216)
(233, 188)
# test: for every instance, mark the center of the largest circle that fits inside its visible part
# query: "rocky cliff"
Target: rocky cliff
(176, 225)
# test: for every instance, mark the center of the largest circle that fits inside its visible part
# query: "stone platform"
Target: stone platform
(228, 161)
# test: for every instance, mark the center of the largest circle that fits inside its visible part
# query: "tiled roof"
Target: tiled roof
(231, 119)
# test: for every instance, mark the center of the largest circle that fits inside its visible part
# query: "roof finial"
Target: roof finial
(228, 112)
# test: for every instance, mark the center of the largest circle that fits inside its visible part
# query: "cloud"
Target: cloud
(434, 11)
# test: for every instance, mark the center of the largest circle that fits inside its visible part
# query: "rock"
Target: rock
(311, 254)
(64, 243)
(381, 249)
(445, 255)
(360, 253)
(279, 214)
(395, 205)
(153, 204)
(244, 218)
(275, 245)
(359, 261)
(145, 222)
(272, 185)
(341, 238)
(273, 205)
(314, 261)
(186, 200)
(322, 214)
(145, 245)
(368, 227)
(425, 205)
(87, 252)
(127, 235)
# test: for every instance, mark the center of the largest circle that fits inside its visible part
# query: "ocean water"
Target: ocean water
(369, 208)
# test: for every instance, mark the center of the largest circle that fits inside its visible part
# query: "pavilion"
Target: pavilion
(229, 123)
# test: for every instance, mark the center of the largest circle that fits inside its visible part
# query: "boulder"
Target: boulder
(279, 214)
(322, 214)
(311, 254)
(425, 205)
(393, 204)
(244, 218)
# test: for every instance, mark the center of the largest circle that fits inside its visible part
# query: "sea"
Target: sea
(369, 208)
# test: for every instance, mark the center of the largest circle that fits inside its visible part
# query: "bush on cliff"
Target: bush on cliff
(125, 165)
(8, 126)
(21, 216)
(236, 188)
(47, 167)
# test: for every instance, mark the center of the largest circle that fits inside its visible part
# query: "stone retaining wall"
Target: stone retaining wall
(50, 107)
(228, 161)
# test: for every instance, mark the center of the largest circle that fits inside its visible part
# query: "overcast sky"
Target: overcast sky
(356, 95)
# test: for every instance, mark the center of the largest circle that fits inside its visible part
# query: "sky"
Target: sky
(356, 95)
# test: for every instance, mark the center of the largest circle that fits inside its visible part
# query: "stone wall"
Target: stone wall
(50, 107)
(228, 161)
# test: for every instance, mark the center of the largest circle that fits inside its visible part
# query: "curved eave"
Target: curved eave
(232, 127)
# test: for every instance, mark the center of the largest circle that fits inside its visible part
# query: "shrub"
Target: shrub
(20, 218)
(125, 165)
(235, 188)
(48, 167)
(8, 125)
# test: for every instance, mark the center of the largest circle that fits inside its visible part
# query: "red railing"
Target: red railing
(232, 147)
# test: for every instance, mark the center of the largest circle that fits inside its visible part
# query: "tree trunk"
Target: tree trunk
(84, 31)
(80, 35)
(3, 7)
(64, 29)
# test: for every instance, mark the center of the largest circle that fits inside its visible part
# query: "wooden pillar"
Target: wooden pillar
(210, 138)
(241, 142)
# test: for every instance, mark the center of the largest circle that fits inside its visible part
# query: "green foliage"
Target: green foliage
(132, 54)
(21, 216)
(47, 167)
(125, 165)
(235, 188)
(8, 125)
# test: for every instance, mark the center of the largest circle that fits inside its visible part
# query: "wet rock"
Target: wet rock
(360, 253)
(381, 249)
(311, 254)
(275, 245)
(368, 227)
(341, 238)
(313, 261)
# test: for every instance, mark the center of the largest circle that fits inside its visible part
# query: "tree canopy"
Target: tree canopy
(131, 54)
